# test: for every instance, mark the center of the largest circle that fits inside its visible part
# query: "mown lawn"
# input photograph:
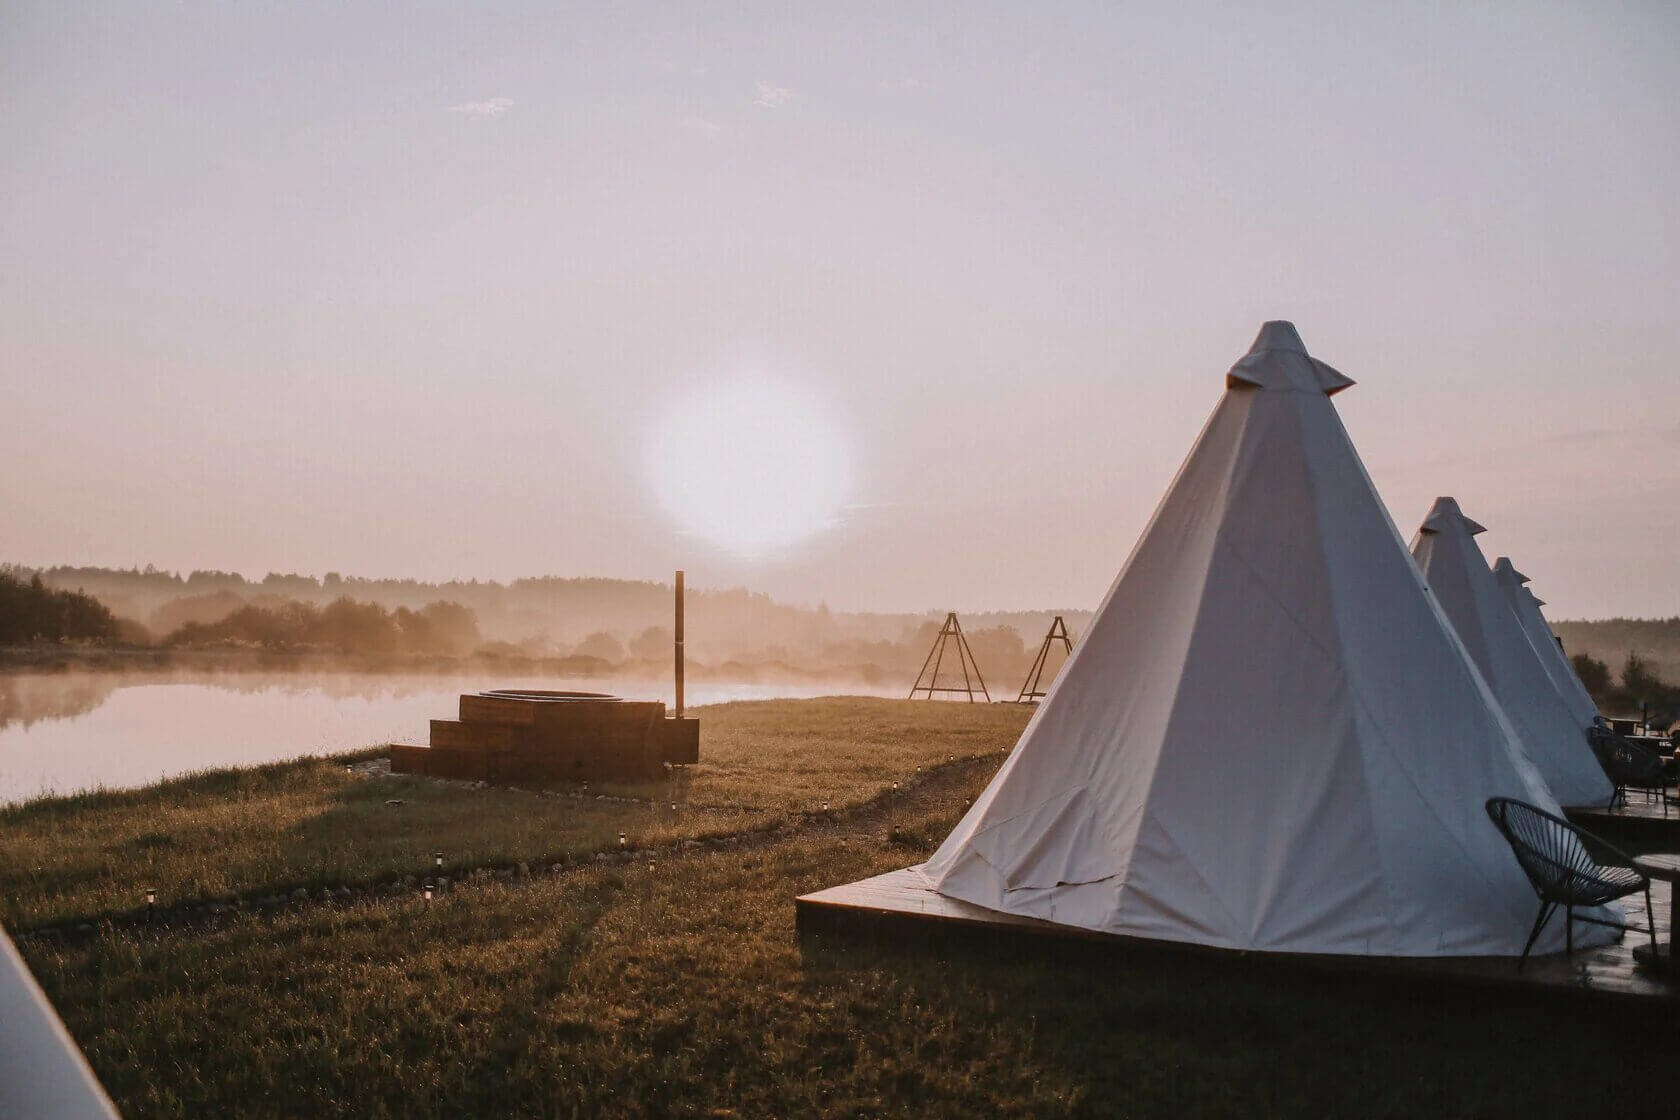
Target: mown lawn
(313, 824)
(679, 988)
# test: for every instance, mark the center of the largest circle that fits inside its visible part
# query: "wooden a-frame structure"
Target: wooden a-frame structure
(965, 658)
(1031, 691)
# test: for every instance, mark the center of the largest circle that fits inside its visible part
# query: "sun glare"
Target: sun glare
(750, 465)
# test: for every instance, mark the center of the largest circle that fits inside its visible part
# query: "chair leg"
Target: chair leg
(1546, 909)
(1569, 931)
(1651, 921)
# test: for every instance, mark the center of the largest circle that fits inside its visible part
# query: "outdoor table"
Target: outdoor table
(1664, 866)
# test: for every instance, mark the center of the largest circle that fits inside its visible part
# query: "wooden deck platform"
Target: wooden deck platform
(1641, 823)
(899, 907)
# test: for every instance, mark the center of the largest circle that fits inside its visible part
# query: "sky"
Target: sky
(892, 307)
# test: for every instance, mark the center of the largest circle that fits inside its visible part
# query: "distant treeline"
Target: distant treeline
(30, 611)
(1638, 687)
(342, 626)
(610, 622)
(594, 626)
(613, 620)
(1610, 640)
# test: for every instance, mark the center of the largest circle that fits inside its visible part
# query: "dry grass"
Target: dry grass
(681, 990)
(310, 824)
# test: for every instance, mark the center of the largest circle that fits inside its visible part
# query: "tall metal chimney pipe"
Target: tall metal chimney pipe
(679, 644)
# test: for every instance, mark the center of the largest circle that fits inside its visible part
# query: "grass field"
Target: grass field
(254, 832)
(680, 989)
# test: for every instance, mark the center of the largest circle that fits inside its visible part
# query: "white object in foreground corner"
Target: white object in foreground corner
(42, 1072)
(1269, 737)
(1455, 569)
(1545, 643)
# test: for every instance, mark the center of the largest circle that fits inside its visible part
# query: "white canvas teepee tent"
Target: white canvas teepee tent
(1556, 742)
(42, 1073)
(1543, 641)
(1269, 737)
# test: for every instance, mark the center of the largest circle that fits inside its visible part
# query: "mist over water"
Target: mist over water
(66, 732)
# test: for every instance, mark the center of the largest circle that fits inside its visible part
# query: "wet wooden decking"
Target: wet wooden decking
(899, 905)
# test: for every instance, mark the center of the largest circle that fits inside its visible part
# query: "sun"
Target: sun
(751, 465)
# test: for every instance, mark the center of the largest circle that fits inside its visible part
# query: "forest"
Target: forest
(595, 625)
(587, 626)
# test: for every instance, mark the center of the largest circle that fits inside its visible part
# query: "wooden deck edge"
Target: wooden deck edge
(818, 919)
(1636, 828)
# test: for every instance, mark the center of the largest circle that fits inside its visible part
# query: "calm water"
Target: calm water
(61, 732)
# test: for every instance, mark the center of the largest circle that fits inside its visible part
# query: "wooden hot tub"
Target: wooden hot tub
(539, 736)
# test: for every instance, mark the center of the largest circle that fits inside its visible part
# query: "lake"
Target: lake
(66, 732)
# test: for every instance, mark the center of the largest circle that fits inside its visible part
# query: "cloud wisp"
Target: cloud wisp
(489, 107)
(771, 96)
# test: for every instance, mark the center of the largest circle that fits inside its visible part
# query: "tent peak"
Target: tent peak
(1278, 334)
(1504, 567)
(1278, 360)
(1444, 514)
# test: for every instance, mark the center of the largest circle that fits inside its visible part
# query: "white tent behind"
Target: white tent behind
(1269, 737)
(42, 1072)
(1455, 569)
(1544, 641)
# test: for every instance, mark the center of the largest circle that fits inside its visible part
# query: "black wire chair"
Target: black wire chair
(1629, 765)
(1554, 856)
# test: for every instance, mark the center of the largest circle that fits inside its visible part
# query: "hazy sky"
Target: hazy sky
(446, 290)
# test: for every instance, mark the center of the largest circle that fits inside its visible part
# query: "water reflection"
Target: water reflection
(26, 698)
(64, 732)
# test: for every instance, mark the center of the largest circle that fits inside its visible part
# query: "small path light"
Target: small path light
(621, 840)
(673, 806)
(427, 891)
(825, 806)
(651, 865)
(437, 859)
(151, 901)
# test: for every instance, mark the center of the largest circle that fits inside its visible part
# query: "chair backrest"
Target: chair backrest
(1548, 847)
(1624, 761)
